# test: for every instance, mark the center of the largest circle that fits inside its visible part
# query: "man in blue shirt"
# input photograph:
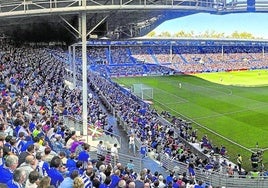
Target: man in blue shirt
(83, 155)
(18, 179)
(54, 172)
(115, 178)
(143, 150)
(7, 169)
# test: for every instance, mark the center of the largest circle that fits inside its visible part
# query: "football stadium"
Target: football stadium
(87, 101)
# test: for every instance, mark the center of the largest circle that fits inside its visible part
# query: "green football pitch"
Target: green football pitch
(230, 107)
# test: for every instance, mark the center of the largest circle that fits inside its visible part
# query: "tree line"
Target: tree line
(206, 34)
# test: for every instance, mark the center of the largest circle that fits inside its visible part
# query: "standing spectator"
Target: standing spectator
(239, 161)
(191, 171)
(143, 150)
(230, 171)
(199, 185)
(20, 141)
(71, 162)
(100, 162)
(30, 151)
(115, 178)
(83, 155)
(169, 178)
(102, 174)
(161, 181)
(114, 154)
(100, 149)
(106, 183)
(131, 145)
(42, 166)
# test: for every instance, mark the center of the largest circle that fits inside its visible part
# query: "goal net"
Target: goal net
(143, 91)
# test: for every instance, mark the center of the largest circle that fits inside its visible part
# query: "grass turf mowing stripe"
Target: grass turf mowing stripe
(238, 113)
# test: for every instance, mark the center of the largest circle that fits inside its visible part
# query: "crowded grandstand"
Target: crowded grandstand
(51, 137)
(39, 148)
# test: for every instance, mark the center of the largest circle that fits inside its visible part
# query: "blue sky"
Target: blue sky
(255, 23)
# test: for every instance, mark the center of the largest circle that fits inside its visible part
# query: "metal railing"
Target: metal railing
(122, 158)
(77, 125)
(214, 178)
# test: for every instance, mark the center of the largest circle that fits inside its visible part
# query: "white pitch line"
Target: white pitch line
(232, 112)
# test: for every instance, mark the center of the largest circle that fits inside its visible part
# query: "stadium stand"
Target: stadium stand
(35, 103)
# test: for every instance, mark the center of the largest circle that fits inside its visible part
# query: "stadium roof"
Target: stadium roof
(114, 19)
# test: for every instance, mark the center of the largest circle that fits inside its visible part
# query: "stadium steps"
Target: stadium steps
(133, 60)
(108, 140)
(183, 59)
(151, 52)
(110, 60)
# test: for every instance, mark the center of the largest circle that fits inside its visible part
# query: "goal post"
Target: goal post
(143, 91)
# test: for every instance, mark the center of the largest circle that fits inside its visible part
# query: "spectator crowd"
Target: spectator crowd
(38, 150)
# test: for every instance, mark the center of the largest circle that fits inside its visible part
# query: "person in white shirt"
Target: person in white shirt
(131, 144)
(100, 149)
(114, 154)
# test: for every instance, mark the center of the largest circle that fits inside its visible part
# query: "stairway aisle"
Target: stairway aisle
(147, 162)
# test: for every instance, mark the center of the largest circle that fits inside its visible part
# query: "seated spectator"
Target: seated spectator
(68, 182)
(33, 180)
(29, 165)
(54, 172)
(8, 168)
(42, 166)
(115, 178)
(18, 179)
(45, 182)
(88, 176)
(48, 155)
(78, 183)
(223, 151)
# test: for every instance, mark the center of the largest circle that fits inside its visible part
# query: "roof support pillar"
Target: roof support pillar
(84, 70)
